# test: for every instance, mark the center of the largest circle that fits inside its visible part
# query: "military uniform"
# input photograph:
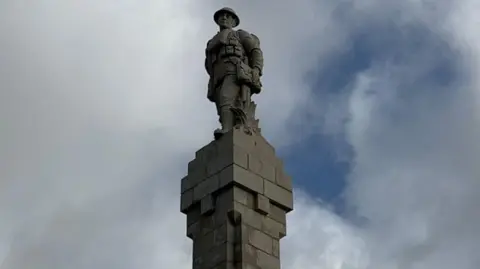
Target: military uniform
(234, 62)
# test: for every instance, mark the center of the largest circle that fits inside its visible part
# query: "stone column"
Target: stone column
(236, 196)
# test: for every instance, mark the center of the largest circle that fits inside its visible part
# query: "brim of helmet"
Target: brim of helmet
(217, 14)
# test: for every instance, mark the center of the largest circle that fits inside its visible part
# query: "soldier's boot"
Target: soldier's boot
(227, 119)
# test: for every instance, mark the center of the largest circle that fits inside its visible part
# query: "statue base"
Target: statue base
(236, 197)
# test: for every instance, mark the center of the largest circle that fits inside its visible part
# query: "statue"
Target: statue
(234, 62)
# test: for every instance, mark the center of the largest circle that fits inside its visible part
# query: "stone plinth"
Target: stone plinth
(236, 196)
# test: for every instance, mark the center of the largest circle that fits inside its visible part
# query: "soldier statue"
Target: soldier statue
(234, 62)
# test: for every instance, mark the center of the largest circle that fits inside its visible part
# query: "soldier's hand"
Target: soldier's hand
(255, 74)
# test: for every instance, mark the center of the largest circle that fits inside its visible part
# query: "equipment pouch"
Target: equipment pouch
(244, 73)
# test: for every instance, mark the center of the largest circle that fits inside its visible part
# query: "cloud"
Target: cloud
(102, 104)
(413, 133)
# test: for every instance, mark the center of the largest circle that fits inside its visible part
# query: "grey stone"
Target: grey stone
(207, 153)
(207, 205)
(282, 179)
(203, 243)
(186, 201)
(278, 214)
(278, 195)
(239, 138)
(208, 224)
(262, 204)
(221, 253)
(234, 62)
(193, 230)
(264, 147)
(260, 240)
(226, 265)
(197, 172)
(273, 228)
(250, 216)
(185, 184)
(206, 187)
(224, 233)
(245, 253)
(267, 261)
(236, 194)
(276, 248)
(243, 196)
(236, 175)
(260, 167)
(193, 214)
(227, 155)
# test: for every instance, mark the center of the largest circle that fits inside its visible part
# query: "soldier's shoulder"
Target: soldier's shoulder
(243, 33)
(247, 35)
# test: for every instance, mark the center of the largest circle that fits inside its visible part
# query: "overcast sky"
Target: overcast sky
(374, 105)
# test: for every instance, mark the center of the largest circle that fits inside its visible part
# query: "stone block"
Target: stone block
(208, 224)
(185, 184)
(203, 243)
(247, 266)
(205, 188)
(197, 172)
(228, 154)
(225, 265)
(249, 216)
(276, 248)
(282, 179)
(278, 214)
(206, 153)
(267, 261)
(193, 230)
(262, 204)
(263, 147)
(221, 253)
(261, 167)
(245, 253)
(239, 138)
(186, 201)
(243, 196)
(236, 197)
(278, 195)
(273, 228)
(213, 248)
(234, 194)
(260, 240)
(193, 214)
(238, 176)
(207, 205)
(224, 233)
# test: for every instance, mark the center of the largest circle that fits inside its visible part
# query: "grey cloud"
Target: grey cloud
(414, 176)
(97, 104)
(91, 101)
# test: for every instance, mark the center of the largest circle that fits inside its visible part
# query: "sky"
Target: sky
(373, 106)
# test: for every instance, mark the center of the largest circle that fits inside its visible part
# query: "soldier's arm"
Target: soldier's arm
(251, 45)
(207, 63)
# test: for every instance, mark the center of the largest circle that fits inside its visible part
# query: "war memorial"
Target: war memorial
(236, 194)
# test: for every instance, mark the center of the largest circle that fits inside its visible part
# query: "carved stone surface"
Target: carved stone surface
(234, 63)
(236, 210)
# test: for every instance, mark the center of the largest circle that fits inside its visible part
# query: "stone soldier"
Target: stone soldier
(234, 62)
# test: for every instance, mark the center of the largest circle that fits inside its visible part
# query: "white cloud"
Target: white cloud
(102, 105)
(414, 175)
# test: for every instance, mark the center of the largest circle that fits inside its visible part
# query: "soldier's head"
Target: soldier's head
(226, 18)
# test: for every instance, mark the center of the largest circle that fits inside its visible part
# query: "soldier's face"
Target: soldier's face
(226, 20)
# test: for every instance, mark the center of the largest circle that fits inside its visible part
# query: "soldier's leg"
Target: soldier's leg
(226, 98)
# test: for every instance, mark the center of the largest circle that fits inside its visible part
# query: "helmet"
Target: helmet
(228, 10)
